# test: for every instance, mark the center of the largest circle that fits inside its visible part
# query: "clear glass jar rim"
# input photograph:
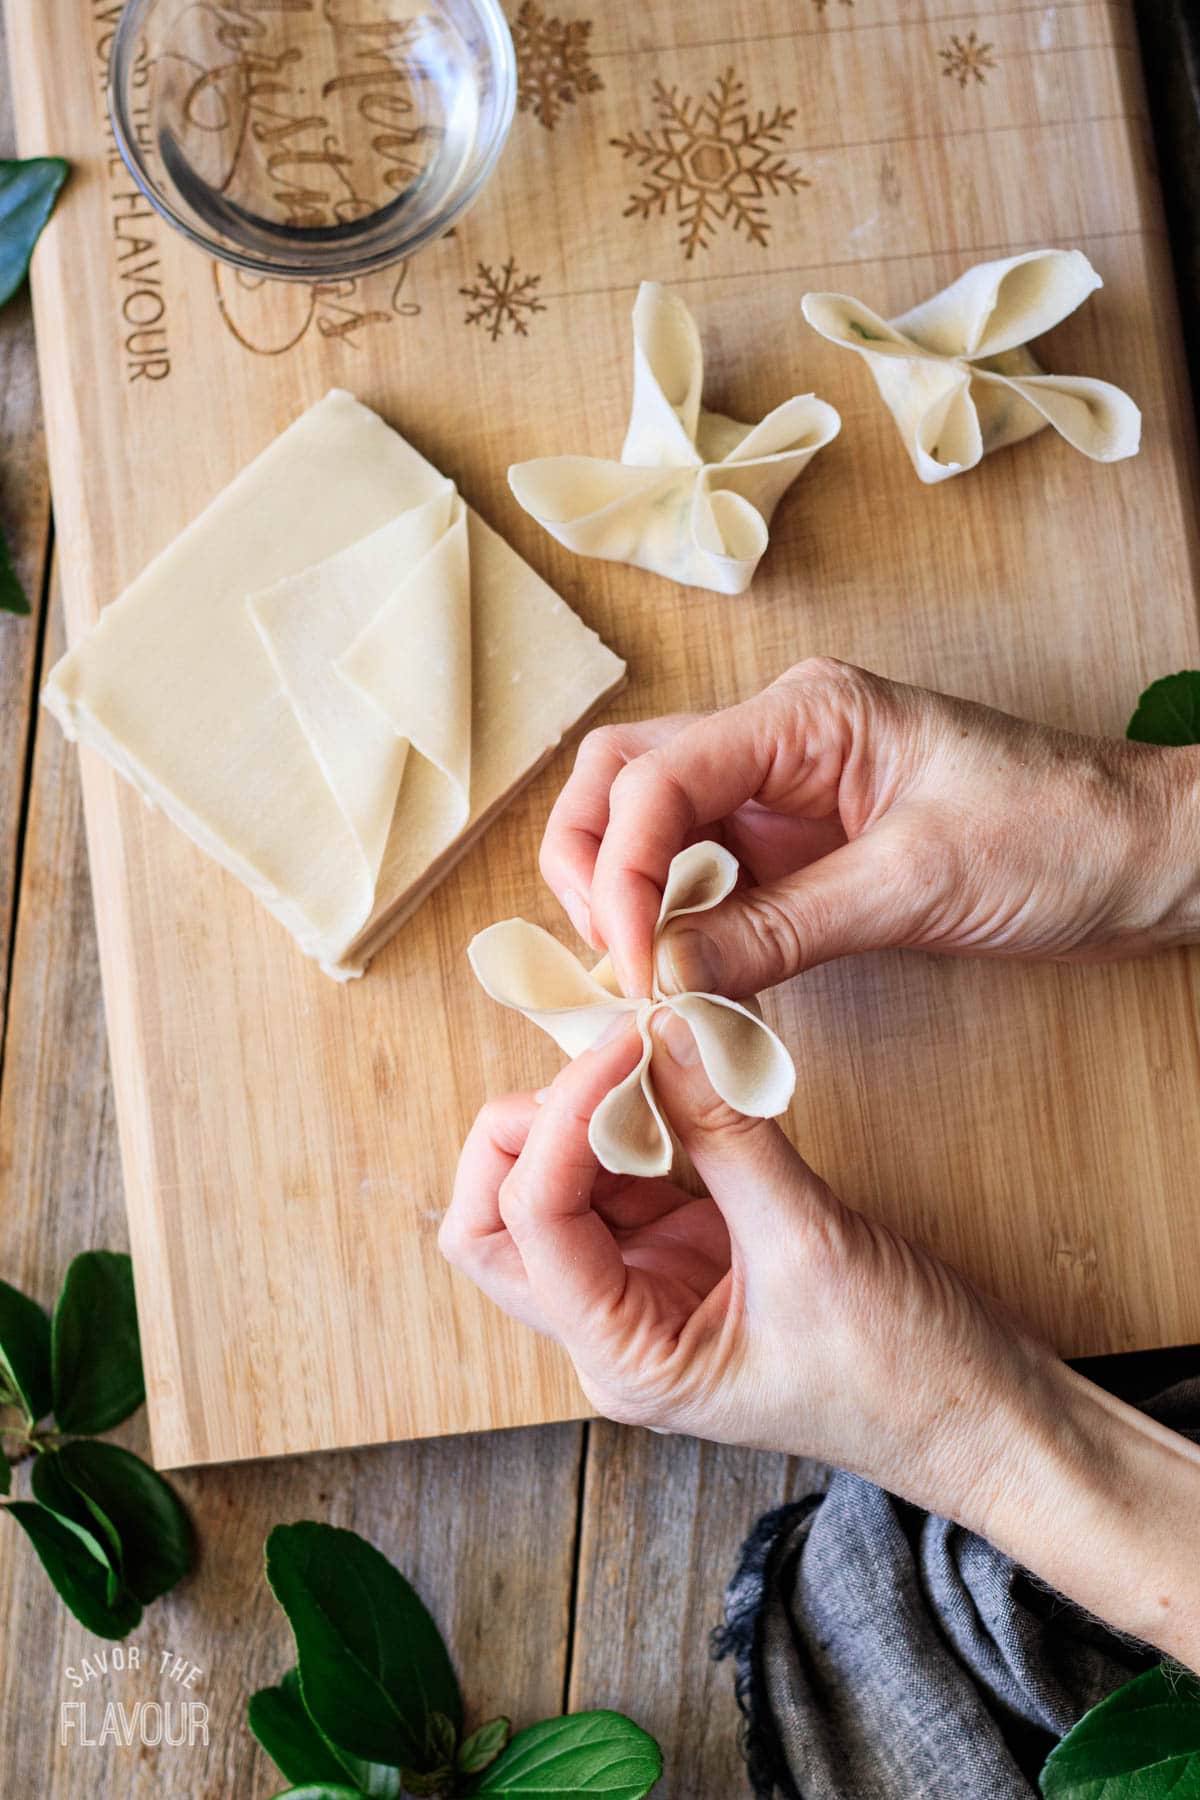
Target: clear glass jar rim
(376, 255)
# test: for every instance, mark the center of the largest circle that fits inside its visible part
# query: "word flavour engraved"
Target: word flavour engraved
(133, 222)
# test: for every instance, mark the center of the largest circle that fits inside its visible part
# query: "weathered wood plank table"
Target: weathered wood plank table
(570, 1566)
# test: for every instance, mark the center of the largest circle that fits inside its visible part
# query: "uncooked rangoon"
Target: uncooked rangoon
(523, 967)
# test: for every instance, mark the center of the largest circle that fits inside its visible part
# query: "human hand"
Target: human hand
(774, 1316)
(872, 815)
(768, 1314)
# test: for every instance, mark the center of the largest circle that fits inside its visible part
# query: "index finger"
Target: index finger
(574, 1266)
(700, 775)
(579, 816)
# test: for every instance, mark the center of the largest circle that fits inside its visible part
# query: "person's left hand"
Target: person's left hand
(555, 1239)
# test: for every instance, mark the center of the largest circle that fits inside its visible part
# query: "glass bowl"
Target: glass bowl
(311, 139)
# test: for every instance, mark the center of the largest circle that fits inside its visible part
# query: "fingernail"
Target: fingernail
(542, 1095)
(579, 913)
(676, 1038)
(688, 962)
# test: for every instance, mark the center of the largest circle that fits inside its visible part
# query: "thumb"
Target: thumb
(849, 900)
(748, 1160)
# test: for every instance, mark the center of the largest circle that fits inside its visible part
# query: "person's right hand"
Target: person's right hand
(769, 1313)
(870, 815)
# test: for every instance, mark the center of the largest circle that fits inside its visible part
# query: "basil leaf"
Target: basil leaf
(378, 1780)
(156, 1545)
(1169, 711)
(318, 1790)
(443, 1736)
(1144, 1740)
(438, 1781)
(585, 1753)
(278, 1720)
(483, 1746)
(96, 1352)
(91, 1525)
(25, 1351)
(28, 191)
(373, 1667)
(78, 1576)
(12, 594)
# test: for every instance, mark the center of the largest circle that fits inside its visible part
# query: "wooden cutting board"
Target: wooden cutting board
(288, 1144)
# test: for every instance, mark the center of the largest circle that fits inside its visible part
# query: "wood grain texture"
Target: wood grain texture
(663, 1520)
(283, 1182)
(485, 1526)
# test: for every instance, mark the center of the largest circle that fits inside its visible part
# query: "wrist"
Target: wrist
(1163, 856)
(1101, 1503)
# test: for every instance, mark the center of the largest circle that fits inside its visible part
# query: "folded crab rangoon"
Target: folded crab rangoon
(523, 967)
(693, 494)
(333, 679)
(958, 377)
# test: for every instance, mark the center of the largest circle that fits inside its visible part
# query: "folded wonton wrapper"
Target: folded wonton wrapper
(522, 966)
(333, 679)
(694, 491)
(957, 375)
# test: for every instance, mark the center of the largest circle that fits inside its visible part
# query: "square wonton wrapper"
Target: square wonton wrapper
(267, 680)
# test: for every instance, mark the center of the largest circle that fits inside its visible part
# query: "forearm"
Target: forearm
(1101, 1503)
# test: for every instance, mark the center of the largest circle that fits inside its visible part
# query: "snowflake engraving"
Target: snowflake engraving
(502, 299)
(711, 160)
(966, 59)
(554, 62)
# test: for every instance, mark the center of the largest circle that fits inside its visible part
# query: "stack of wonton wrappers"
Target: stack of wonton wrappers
(334, 679)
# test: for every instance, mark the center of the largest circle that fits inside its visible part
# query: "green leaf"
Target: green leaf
(318, 1790)
(5, 1474)
(1169, 711)
(91, 1525)
(443, 1736)
(96, 1353)
(377, 1780)
(438, 1781)
(373, 1667)
(12, 594)
(75, 1572)
(280, 1722)
(483, 1746)
(1142, 1743)
(139, 1516)
(585, 1753)
(28, 191)
(25, 1351)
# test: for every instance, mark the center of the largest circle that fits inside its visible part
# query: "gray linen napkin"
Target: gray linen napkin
(885, 1654)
